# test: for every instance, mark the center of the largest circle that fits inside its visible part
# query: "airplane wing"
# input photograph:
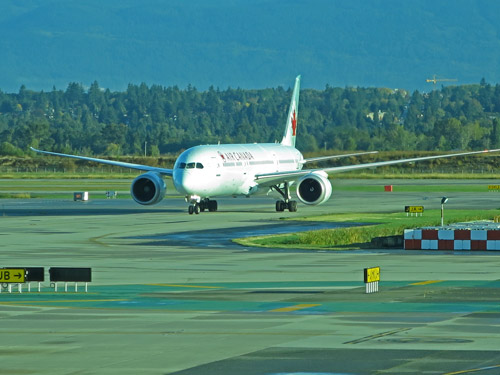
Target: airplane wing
(140, 167)
(269, 179)
(321, 158)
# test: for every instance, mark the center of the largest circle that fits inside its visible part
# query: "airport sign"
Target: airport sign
(12, 275)
(414, 209)
(372, 274)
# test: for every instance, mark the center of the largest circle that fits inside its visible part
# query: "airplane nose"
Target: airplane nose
(186, 182)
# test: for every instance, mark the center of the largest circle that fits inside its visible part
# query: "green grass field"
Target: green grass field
(60, 188)
(63, 188)
(375, 225)
(417, 188)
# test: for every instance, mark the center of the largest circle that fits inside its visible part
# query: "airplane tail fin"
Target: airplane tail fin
(293, 113)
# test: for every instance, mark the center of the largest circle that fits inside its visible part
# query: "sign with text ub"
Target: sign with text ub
(12, 275)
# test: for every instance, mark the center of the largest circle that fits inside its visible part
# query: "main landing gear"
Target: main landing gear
(286, 203)
(282, 206)
(204, 204)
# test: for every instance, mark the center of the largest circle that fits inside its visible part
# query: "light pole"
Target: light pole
(443, 201)
(145, 145)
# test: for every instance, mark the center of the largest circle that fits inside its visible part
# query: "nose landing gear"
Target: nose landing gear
(194, 209)
(200, 205)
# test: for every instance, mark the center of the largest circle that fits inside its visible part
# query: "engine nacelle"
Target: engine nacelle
(148, 188)
(314, 188)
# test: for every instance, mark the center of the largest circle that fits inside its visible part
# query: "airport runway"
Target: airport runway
(172, 295)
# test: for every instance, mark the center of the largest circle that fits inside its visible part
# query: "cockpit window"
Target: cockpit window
(190, 166)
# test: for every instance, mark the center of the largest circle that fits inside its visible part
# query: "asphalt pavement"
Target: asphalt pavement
(171, 294)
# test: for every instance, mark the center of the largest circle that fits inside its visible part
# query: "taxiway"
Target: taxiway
(172, 295)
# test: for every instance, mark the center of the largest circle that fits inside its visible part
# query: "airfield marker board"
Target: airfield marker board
(12, 275)
(371, 277)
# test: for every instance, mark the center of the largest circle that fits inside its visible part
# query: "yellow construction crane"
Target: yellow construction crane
(436, 80)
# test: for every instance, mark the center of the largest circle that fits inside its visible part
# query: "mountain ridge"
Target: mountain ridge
(223, 43)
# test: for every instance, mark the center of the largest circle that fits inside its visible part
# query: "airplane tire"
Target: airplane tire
(191, 209)
(278, 206)
(281, 206)
(292, 206)
(212, 206)
(197, 209)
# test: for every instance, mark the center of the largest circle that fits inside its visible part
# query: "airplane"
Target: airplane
(204, 172)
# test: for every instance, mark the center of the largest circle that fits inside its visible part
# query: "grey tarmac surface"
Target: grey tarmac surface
(172, 295)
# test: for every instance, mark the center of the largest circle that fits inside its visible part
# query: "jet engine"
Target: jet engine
(314, 188)
(148, 188)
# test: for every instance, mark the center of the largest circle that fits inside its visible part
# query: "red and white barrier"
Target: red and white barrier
(453, 238)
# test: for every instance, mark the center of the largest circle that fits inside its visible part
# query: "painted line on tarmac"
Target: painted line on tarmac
(60, 301)
(472, 370)
(427, 282)
(187, 286)
(376, 336)
(295, 334)
(295, 308)
(302, 288)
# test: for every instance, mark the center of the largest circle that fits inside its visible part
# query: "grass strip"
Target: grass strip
(67, 175)
(359, 237)
(450, 188)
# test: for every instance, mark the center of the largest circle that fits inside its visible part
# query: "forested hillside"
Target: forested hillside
(168, 119)
(248, 44)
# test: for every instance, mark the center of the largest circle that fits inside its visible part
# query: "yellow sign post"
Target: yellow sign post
(12, 275)
(372, 277)
(414, 210)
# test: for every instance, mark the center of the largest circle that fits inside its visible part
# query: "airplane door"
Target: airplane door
(276, 163)
(216, 163)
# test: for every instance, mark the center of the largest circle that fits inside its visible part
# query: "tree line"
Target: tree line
(156, 120)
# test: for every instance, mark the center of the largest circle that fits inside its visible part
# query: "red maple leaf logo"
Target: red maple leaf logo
(294, 124)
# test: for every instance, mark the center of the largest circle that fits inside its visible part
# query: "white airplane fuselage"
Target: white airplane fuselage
(225, 170)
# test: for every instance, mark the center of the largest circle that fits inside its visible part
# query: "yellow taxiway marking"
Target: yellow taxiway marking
(188, 286)
(472, 370)
(427, 282)
(295, 308)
